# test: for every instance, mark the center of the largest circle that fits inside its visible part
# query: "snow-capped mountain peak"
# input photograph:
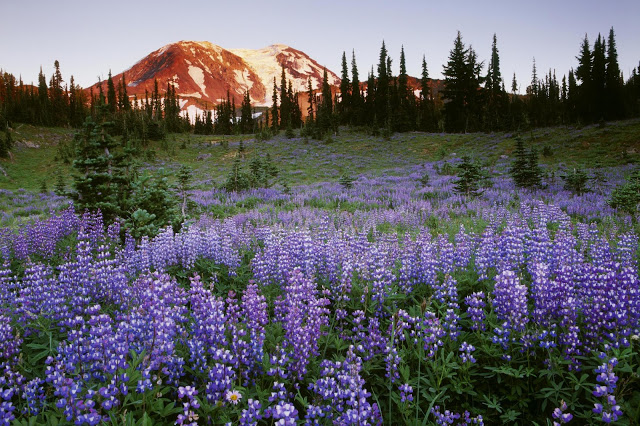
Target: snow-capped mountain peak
(203, 73)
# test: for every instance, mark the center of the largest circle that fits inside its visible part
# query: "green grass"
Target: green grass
(304, 161)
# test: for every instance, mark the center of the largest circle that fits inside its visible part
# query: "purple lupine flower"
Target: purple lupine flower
(475, 310)
(302, 314)
(510, 301)
(406, 392)
(448, 417)
(341, 389)
(466, 355)
(251, 414)
(607, 378)
(560, 416)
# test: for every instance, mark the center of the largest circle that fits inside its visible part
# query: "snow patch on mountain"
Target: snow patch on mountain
(242, 77)
(197, 75)
(265, 64)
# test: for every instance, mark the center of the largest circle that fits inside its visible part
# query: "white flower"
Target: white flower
(233, 397)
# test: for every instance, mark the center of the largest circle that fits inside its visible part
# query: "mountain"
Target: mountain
(203, 72)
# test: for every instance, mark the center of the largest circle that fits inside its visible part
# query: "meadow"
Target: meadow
(387, 298)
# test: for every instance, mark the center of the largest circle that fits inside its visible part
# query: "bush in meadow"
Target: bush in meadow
(626, 197)
(525, 171)
(469, 178)
(576, 181)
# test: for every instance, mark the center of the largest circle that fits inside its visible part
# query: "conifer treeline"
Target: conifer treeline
(470, 99)
(477, 100)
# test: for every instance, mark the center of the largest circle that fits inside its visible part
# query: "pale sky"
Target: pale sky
(90, 38)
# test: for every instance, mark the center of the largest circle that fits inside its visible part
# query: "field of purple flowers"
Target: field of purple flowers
(396, 301)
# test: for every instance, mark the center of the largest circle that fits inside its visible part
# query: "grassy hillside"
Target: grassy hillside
(304, 161)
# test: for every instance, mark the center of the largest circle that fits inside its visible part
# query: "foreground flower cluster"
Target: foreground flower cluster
(518, 314)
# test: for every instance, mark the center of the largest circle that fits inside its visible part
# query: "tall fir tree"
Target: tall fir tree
(382, 88)
(572, 97)
(73, 104)
(370, 106)
(124, 102)
(157, 101)
(356, 98)
(275, 116)
(285, 102)
(425, 117)
(496, 99)
(344, 106)
(455, 91)
(111, 95)
(325, 109)
(406, 112)
(583, 75)
(598, 79)
(43, 98)
(102, 181)
(294, 106)
(473, 91)
(58, 98)
(310, 101)
(613, 81)
(246, 117)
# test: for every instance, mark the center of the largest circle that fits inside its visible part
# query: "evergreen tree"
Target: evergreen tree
(564, 98)
(456, 87)
(534, 172)
(238, 179)
(275, 117)
(75, 107)
(310, 101)
(285, 102)
(60, 185)
(356, 98)
(344, 106)
(208, 124)
(583, 75)
(525, 171)
(370, 107)
(246, 117)
(576, 181)
(572, 97)
(185, 176)
(124, 102)
(381, 99)
(425, 117)
(325, 109)
(111, 95)
(294, 105)
(102, 182)
(43, 97)
(406, 112)
(469, 178)
(234, 115)
(534, 98)
(156, 101)
(58, 100)
(626, 197)
(613, 80)
(598, 79)
(496, 97)
(151, 205)
(473, 90)
(518, 169)
(346, 180)
(6, 144)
